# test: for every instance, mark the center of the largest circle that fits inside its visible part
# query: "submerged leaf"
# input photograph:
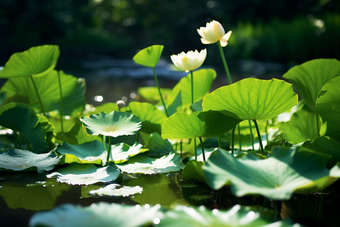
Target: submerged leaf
(19, 160)
(113, 124)
(86, 174)
(252, 99)
(278, 177)
(36, 61)
(117, 190)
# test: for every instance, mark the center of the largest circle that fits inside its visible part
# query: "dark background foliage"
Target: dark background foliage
(283, 30)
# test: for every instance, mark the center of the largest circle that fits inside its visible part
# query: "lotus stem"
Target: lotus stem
(192, 86)
(224, 63)
(251, 135)
(259, 135)
(202, 146)
(317, 125)
(195, 149)
(239, 136)
(159, 91)
(37, 93)
(181, 148)
(108, 150)
(61, 103)
(233, 141)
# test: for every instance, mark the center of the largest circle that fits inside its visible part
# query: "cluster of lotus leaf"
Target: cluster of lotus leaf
(49, 128)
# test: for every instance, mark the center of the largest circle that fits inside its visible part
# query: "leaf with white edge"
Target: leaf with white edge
(252, 99)
(149, 56)
(98, 214)
(112, 124)
(86, 174)
(122, 152)
(278, 177)
(36, 61)
(328, 106)
(147, 165)
(182, 125)
(309, 77)
(23, 160)
(203, 79)
(91, 152)
(151, 117)
(117, 190)
(236, 216)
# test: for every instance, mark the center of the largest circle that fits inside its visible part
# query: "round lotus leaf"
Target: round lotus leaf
(36, 61)
(309, 77)
(117, 190)
(252, 99)
(149, 56)
(112, 124)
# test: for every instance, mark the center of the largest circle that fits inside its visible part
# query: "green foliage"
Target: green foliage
(149, 56)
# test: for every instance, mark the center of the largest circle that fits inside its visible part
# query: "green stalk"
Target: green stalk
(239, 136)
(159, 91)
(108, 150)
(251, 135)
(224, 63)
(195, 149)
(202, 148)
(192, 86)
(233, 141)
(104, 142)
(61, 103)
(36, 91)
(181, 148)
(317, 124)
(259, 135)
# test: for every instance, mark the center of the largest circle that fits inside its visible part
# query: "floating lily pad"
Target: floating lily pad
(151, 117)
(278, 177)
(203, 79)
(21, 89)
(147, 165)
(328, 106)
(117, 190)
(113, 124)
(236, 216)
(36, 61)
(309, 77)
(149, 56)
(252, 99)
(122, 152)
(22, 118)
(86, 174)
(23, 160)
(98, 214)
(197, 124)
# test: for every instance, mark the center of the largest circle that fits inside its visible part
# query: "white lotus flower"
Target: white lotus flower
(189, 61)
(214, 32)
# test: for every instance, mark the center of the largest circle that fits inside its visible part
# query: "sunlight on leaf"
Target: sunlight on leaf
(149, 56)
(113, 124)
(122, 152)
(117, 190)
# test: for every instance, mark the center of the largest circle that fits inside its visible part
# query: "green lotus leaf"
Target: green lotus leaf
(309, 77)
(106, 108)
(90, 152)
(23, 160)
(203, 79)
(77, 135)
(112, 124)
(325, 145)
(149, 56)
(157, 145)
(151, 117)
(252, 99)
(122, 152)
(197, 124)
(151, 94)
(147, 165)
(157, 189)
(98, 214)
(86, 174)
(36, 61)
(301, 127)
(193, 170)
(236, 216)
(278, 177)
(34, 196)
(21, 89)
(22, 118)
(117, 190)
(328, 106)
